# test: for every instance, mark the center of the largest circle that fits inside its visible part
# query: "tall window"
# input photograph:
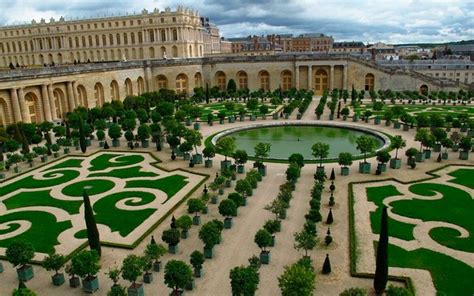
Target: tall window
(181, 84)
(369, 82)
(221, 80)
(286, 80)
(161, 82)
(128, 87)
(114, 90)
(242, 79)
(264, 78)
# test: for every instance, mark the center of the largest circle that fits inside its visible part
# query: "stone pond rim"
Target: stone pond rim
(381, 137)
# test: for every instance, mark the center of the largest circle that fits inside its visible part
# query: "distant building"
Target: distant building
(382, 51)
(251, 44)
(349, 47)
(407, 51)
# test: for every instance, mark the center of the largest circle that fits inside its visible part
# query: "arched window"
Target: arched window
(424, 89)
(264, 78)
(163, 52)
(82, 93)
(161, 82)
(152, 52)
(128, 87)
(3, 113)
(32, 104)
(242, 79)
(221, 80)
(60, 102)
(99, 94)
(286, 80)
(369, 82)
(197, 80)
(141, 85)
(175, 51)
(114, 91)
(181, 84)
(320, 81)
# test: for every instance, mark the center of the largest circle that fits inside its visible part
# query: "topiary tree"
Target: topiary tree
(262, 151)
(209, 152)
(240, 157)
(228, 208)
(263, 239)
(383, 156)
(55, 262)
(321, 151)
(226, 146)
(304, 241)
(296, 158)
(23, 290)
(381, 264)
(210, 235)
(244, 280)
(171, 236)
(196, 260)
(297, 279)
(155, 251)
(91, 226)
(19, 253)
(132, 268)
(345, 159)
(366, 144)
(397, 291)
(397, 143)
(327, 265)
(177, 276)
(354, 292)
(293, 172)
(243, 187)
(195, 205)
(86, 264)
(237, 199)
(184, 223)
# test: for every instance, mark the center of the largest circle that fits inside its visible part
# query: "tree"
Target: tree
(354, 292)
(244, 280)
(209, 152)
(327, 265)
(296, 158)
(117, 291)
(297, 279)
(92, 232)
(82, 138)
(397, 291)
(383, 156)
(228, 208)
(144, 132)
(381, 265)
(243, 187)
(237, 199)
(196, 260)
(231, 86)
(365, 144)
(154, 251)
(195, 205)
(209, 234)
(262, 150)
(19, 253)
(240, 157)
(345, 159)
(226, 146)
(171, 236)
(115, 132)
(23, 290)
(132, 268)
(397, 143)
(330, 219)
(277, 207)
(86, 264)
(177, 275)
(321, 151)
(54, 262)
(263, 239)
(184, 223)
(422, 136)
(304, 241)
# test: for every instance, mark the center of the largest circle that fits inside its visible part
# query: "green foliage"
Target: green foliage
(154, 251)
(236, 198)
(354, 292)
(184, 222)
(132, 268)
(243, 187)
(209, 234)
(240, 157)
(277, 207)
(297, 280)
(177, 274)
(117, 291)
(397, 291)
(91, 226)
(23, 292)
(262, 150)
(263, 239)
(381, 265)
(115, 132)
(85, 263)
(19, 253)
(383, 156)
(244, 281)
(171, 236)
(304, 241)
(345, 159)
(209, 152)
(321, 151)
(195, 205)
(366, 144)
(226, 146)
(228, 208)
(296, 158)
(54, 262)
(197, 259)
(272, 226)
(293, 172)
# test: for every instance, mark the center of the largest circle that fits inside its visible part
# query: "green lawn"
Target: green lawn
(170, 185)
(215, 108)
(450, 276)
(105, 161)
(126, 173)
(414, 110)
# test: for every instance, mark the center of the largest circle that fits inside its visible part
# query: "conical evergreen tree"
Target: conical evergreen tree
(333, 175)
(327, 265)
(381, 267)
(153, 241)
(330, 218)
(439, 158)
(106, 145)
(92, 231)
(173, 222)
(332, 187)
(331, 200)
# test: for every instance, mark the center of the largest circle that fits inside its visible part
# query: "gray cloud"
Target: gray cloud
(368, 21)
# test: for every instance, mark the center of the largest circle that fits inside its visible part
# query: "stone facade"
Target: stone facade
(149, 35)
(35, 95)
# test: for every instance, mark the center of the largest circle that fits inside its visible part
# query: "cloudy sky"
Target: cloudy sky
(399, 21)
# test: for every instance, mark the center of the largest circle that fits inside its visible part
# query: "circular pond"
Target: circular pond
(289, 138)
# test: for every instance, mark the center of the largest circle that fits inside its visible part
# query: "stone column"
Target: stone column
(76, 95)
(45, 101)
(149, 79)
(345, 77)
(70, 96)
(25, 113)
(15, 105)
(297, 77)
(52, 103)
(331, 79)
(310, 77)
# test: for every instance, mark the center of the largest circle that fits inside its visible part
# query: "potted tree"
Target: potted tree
(55, 148)
(455, 138)
(86, 265)
(421, 136)
(397, 143)
(345, 112)
(197, 259)
(238, 199)
(244, 280)
(262, 151)
(263, 239)
(277, 207)
(195, 139)
(244, 187)
(55, 262)
(226, 147)
(101, 137)
(115, 132)
(388, 116)
(263, 111)
(321, 151)
(411, 153)
(154, 251)
(195, 205)
(74, 281)
(446, 143)
(185, 148)
(178, 275)
(171, 237)
(272, 226)
(210, 236)
(19, 254)
(382, 157)
(184, 223)
(465, 144)
(228, 209)
(365, 144)
(209, 152)
(439, 135)
(305, 241)
(241, 158)
(114, 275)
(345, 160)
(132, 268)
(144, 133)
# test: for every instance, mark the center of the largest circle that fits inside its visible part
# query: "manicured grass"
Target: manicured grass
(123, 221)
(132, 172)
(217, 107)
(53, 178)
(43, 233)
(68, 163)
(92, 187)
(454, 111)
(105, 161)
(41, 199)
(170, 185)
(463, 177)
